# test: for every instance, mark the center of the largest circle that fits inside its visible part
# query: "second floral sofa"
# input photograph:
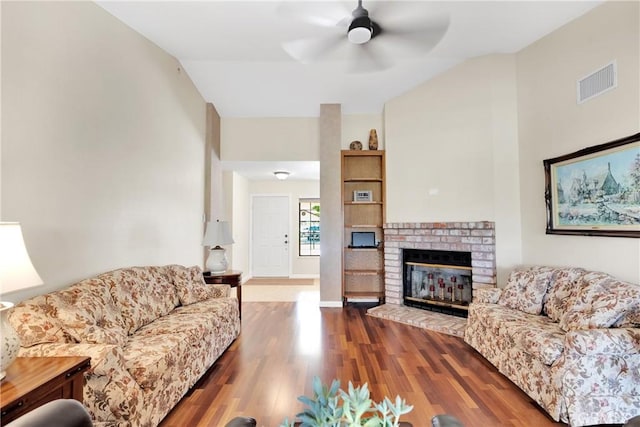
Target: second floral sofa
(567, 337)
(151, 333)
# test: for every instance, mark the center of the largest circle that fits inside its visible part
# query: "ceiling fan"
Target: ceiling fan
(400, 30)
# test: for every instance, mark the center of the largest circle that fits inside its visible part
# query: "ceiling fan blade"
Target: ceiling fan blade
(312, 49)
(366, 59)
(418, 36)
(323, 14)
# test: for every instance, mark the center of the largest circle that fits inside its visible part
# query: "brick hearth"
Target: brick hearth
(475, 237)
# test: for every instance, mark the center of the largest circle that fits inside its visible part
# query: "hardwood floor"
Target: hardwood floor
(283, 345)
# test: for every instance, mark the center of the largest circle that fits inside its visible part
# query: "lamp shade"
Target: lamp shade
(218, 233)
(16, 270)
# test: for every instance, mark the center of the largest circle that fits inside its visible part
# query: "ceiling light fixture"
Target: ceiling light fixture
(361, 28)
(281, 175)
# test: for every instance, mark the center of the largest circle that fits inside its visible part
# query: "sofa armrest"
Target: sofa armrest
(110, 392)
(219, 290)
(487, 295)
(611, 341)
(599, 375)
(104, 357)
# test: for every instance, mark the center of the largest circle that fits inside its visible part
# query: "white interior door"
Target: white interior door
(270, 236)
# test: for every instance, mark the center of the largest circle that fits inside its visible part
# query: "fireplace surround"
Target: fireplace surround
(475, 238)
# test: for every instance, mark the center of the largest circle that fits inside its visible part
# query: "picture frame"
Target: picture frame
(595, 191)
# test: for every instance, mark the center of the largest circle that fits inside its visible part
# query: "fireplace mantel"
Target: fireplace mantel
(478, 238)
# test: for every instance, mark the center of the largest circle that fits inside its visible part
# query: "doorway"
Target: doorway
(270, 236)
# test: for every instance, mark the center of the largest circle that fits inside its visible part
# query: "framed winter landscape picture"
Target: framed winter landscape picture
(595, 191)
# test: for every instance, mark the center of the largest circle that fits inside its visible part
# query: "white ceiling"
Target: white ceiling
(232, 49)
(263, 171)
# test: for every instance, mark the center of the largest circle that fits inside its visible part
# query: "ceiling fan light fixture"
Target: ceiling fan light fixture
(360, 30)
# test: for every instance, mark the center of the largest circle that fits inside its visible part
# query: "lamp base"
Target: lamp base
(10, 341)
(217, 260)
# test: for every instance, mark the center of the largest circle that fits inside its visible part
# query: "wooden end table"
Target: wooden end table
(33, 381)
(230, 277)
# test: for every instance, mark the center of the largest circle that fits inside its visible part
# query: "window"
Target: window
(309, 227)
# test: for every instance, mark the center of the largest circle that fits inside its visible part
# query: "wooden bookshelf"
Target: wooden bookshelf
(363, 268)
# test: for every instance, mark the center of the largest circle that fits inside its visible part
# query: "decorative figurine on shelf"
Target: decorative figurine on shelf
(441, 283)
(355, 145)
(453, 288)
(373, 139)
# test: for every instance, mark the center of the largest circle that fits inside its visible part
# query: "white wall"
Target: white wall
(452, 152)
(270, 139)
(102, 144)
(300, 266)
(551, 123)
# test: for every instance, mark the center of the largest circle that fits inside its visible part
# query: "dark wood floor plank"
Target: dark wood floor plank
(282, 346)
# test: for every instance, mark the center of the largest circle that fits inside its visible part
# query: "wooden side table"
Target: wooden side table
(34, 381)
(229, 277)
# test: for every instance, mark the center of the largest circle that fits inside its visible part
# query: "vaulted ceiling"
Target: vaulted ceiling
(233, 50)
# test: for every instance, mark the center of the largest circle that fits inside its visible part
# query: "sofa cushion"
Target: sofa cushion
(190, 285)
(629, 320)
(538, 336)
(598, 302)
(494, 316)
(193, 326)
(563, 285)
(142, 294)
(152, 360)
(35, 320)
(89, 315)
(525, 289)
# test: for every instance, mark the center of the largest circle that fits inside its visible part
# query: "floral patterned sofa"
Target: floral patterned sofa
(151, 333)
(567, 337)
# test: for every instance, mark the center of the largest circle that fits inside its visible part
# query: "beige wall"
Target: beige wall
(356, 127)
(551, 123)
(103, 141)
(300, 266)
(237, 187)
(270, 139)
(452, 152)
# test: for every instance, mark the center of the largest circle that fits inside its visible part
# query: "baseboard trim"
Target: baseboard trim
(363, 300)
(331, 304)
(304, 276)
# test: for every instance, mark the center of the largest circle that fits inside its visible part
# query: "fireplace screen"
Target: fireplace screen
(438, 280)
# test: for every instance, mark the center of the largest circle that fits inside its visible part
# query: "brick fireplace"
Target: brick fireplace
(476, 238)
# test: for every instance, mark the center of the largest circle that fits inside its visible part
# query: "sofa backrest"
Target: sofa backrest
(189, 283)
(142, 294)
(89, 315)
(563, 282)
(35, 320)
(600, 301)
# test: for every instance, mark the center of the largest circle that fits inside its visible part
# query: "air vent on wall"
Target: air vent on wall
(598, 82)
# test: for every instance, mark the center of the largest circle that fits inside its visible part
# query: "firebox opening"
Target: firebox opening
(437, 280)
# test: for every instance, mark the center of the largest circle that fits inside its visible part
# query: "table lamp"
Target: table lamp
(16, 272)
(218, 233)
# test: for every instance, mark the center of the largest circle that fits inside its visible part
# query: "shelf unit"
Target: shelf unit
(363, 268)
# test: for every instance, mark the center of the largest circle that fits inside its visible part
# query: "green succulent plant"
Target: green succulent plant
(334, 407)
